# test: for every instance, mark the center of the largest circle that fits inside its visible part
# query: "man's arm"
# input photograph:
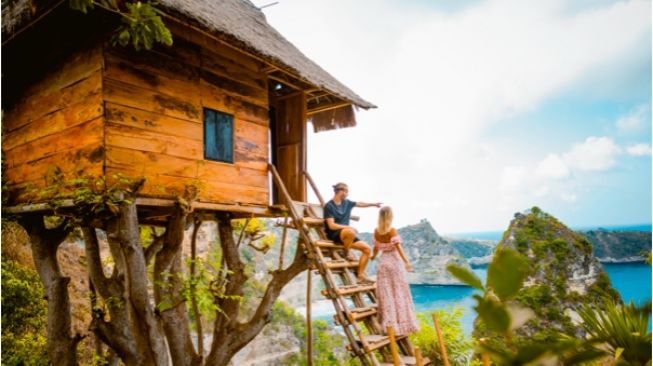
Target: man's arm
(333, 226)
(365, 204)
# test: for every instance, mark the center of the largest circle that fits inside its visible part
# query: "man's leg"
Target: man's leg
(347, 237)
(362, 264)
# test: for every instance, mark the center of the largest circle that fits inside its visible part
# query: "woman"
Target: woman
(392, 290)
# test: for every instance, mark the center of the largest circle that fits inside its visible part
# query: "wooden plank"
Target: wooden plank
(84, 134)
(36, 107)
(145, 77)
(182, 107)
(236, 89)
(149, 163)
(215, 98)
(85, 159)
(153, 122)
(232, 68)
(145, 140)
(45, 96)
(166, 202)
(183, 66)
(74, 114)
(251, 142)
(216, 192)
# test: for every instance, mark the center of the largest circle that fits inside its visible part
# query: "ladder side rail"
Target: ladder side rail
(314, 187)
(297, 220)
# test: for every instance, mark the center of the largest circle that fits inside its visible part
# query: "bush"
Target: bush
(458, 345)
(24, 312)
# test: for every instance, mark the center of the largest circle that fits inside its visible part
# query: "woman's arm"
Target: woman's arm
(407, 264)
(375, 252)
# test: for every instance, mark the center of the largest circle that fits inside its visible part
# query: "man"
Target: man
(336, 214)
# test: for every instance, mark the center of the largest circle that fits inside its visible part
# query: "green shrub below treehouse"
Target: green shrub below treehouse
(24, 317)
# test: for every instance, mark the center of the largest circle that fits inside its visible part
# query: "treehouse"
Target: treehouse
(212, 111)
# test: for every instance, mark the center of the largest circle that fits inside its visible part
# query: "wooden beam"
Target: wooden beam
(156, 202)
(285, 82)
(327, 107)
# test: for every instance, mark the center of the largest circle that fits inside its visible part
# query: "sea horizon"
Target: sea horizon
(498, 234)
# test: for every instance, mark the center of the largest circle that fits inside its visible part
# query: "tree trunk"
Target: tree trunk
(230, 335)
(133, 331)
(168, 280)
(62, 346)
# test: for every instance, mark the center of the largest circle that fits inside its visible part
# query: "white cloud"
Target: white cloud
(541, 191)
(512, 177)
(594, 154)
(634, 121)
(552, 167)
(569, 197)
(639, 150)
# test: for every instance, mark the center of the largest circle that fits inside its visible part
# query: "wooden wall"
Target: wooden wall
(154, 118)
(56, 125)
(109, 110)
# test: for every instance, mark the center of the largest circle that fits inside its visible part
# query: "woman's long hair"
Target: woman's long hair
(385, 220)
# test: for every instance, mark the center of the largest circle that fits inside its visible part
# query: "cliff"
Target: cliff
(619, 246)
(563, 273)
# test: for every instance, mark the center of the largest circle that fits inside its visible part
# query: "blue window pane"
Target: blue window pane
(218, 136)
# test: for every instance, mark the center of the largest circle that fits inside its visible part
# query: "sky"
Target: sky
(485, 108)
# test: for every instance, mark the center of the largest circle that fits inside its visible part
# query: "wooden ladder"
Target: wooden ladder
(355, 304)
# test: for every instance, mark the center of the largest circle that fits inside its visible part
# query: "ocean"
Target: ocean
(632, 280)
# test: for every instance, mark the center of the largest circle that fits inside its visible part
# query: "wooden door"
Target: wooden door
(289, 144)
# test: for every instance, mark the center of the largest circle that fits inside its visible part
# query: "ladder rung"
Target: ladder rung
(312, 221)
(340, 263)
(353, 289)
(364, 312)
(328, 244)
(375, 341)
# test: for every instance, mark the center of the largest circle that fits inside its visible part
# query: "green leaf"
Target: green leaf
(506, 273)
(493, 314)
(531, 352)
(465, 276)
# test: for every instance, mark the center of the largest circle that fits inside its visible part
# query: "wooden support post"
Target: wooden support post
(283, 240)
(443, 349)
(393, 346)
(419, 361)
(309, 325)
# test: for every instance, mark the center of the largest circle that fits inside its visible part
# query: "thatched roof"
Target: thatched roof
(245, 22)
(238, 20)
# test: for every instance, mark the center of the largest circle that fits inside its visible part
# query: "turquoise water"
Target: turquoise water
(632, 280)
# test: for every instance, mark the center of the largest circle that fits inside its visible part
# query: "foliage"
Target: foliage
(92, 197)
(142, 26)
(325, 340)
(458, 345)
(624, 328)
(500, 317)
(23, 316)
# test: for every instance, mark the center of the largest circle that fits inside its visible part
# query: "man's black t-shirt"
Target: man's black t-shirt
(340, 213)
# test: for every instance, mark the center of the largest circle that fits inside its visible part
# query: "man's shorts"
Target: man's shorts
(334, 236)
